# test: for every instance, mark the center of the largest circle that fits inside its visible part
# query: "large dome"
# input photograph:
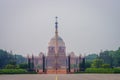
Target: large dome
(60, 42)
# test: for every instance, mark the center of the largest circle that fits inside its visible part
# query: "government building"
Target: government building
(56, 61)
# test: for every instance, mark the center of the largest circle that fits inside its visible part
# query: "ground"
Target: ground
(61, 77)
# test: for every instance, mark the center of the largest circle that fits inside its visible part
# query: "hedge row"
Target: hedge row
(116, 70)
(13, 71)
(102, 70)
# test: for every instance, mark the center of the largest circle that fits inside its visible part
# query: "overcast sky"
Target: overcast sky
(86, 26)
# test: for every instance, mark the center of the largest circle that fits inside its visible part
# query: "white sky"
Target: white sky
(86, 26)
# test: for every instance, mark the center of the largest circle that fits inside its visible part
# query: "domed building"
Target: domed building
(59, 39)
(56, 57)
(56, 61)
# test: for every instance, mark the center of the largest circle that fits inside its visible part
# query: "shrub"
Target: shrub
(23, 65)
(116, 70)
(9, 66)
(99, 70)
(13, 71)
(105, 65)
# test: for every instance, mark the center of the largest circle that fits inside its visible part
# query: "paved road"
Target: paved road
(61, 77)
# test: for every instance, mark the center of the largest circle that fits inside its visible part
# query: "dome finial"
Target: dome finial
(56, 18)
(56, 23)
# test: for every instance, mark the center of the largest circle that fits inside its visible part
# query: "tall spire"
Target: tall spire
(56, 44)
(56, 35)
(56, 26)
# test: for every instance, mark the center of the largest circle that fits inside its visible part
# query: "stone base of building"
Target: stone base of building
(40, 72)
(72, 70)
(60, 71)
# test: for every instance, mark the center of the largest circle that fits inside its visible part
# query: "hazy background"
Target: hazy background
(86, 26)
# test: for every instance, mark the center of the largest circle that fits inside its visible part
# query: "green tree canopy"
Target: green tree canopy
(9, 58)
(97, 63)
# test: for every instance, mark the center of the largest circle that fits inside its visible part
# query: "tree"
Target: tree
(5, 58)
(91, 57)
(97, 63)
(105, 56)
(88, 64)
(23, 65)
(116, 58)
(9, 58)
(20, 59)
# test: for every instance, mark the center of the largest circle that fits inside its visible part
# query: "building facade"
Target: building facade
(56, 57)
(56, 61)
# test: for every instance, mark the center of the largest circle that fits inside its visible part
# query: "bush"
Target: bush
(9, 66)
(23, 65)
(116, 70)
(105, 65)
(13, 71)
(102, 70)
(99, 70)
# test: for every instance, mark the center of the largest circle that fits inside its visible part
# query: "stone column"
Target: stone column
(69, 64)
